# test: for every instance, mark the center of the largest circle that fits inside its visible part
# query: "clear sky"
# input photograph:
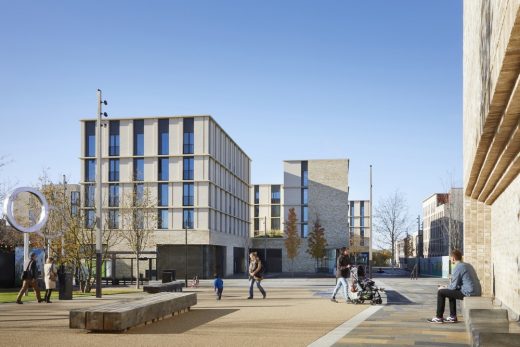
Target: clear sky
(379, 82)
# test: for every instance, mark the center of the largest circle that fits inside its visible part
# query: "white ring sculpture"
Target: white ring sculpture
(9, 213)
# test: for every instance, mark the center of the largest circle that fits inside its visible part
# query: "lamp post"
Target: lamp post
(99, 209)
(371, 230)
(265, 241)
(186, 224)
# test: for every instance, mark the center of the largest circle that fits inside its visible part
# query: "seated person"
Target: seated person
(464, 282)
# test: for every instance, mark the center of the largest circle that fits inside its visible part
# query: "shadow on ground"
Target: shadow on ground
(394, 298)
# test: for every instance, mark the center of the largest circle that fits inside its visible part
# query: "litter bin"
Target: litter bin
(168, 276)
(65, 283)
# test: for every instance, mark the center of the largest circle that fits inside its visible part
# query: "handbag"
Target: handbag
(52, 274)
(25, 273)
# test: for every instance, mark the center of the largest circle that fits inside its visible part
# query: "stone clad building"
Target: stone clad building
(492, 146)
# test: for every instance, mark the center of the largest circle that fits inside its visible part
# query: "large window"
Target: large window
(113, 141)
(90, 195)
(275, 194)
(305, 214)
(90, 170)
(90, 219)
(275, 223)
(113, 172)
(90, 139)
(74, 203)
(113, 219)
(138, 194)
(139, 169)
(187, 195)
(188, 169)
(187, 218)
(305, 230)
(163, 194)
(163, 169)
(257, 194)
(275, 210)
(188, 137)
(163, 136)
(305, 174)
(163, 218)
(257, 211)
(138, 137)
(257, 224)
(305, 196)
(113, 195)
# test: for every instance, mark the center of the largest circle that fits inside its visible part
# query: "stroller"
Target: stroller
(363, 289)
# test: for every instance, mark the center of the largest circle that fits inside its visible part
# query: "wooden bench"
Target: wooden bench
(123, 315)
(174, 286)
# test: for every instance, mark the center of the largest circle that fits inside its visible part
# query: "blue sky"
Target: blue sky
(379, 82)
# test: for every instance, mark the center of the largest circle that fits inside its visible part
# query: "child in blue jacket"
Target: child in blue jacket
(219, 286)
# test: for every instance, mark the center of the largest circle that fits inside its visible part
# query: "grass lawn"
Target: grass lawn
(9, 295)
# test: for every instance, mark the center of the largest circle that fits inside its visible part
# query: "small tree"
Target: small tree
(355, 248)
(381, 257)
(316, 241)
(292, 241)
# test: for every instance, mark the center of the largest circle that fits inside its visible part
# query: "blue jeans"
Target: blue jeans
(341, 282)
(258, 285)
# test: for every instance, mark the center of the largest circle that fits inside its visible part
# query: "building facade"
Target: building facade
(443, 227)
(359, 229)
(197, 176)
(491, 146)
(267, 210)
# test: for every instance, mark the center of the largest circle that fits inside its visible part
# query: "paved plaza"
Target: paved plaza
(297, 312)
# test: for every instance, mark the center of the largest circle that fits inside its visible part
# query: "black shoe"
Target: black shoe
(19, 302)
(249, 297)
(333, 300)
(40, 301)
(49, 302)
(264, 295)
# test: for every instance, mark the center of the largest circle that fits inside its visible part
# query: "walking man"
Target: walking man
(464, 282)
(342, 274)
(255, 274)
(413, 275)
(30, 280)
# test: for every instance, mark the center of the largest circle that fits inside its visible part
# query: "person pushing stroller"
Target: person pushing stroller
(342, 275)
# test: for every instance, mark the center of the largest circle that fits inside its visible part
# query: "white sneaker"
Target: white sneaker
(436, 320)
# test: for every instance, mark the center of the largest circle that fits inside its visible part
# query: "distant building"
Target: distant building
(267, 210)
(359, 229)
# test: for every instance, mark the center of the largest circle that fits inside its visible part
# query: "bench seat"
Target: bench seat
(174, 286)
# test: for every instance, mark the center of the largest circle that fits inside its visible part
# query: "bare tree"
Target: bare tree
(391, 221)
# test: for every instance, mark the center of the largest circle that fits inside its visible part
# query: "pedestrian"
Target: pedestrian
(30, 280)
(413, 275)
(464, 282)
(342, 274)
(218, 284)
(256, 269)
(51, 274)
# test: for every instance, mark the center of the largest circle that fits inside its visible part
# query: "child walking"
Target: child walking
(219, 286)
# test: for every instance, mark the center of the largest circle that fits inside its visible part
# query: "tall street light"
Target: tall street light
(186, 224)
(99, 209)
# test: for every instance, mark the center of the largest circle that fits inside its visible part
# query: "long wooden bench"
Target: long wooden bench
(123, 315)
(174, 286)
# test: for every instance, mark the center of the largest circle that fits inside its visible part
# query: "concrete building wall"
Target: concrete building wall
(264, 209)
(359, 224)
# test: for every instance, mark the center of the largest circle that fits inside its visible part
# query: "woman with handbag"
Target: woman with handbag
(51, 274)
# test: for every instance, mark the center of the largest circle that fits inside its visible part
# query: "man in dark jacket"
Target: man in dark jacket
(30, 280)
(342, 274)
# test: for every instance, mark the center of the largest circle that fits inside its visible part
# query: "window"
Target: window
(305, 196)
(113, 219)
(275, 223)
(257, 211)
(257, 194)
(139, 169)
(139, 137)
(163, 194)
(90, 139)
(362, 236)
(188, 168)
(163, 169)
(113, 195)
(90, 195)
(275, 210)
(74, 203)
(162, 219)
(187, 218)
(163, 136)
(138, 194)
(275, 194)
(305, 216)
(362, 209)
(187, 194)
(305, 174)
(305, 230)
(90, 170)
(188, 137)
(90, 219)
(352, 213)
(113, 172)
(257, 224)
(113, 140)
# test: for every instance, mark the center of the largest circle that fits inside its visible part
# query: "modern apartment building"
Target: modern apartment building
(266, 209)
(316, 189)
(198, 176)
(491, 146)
(360, 230)
(442, 223)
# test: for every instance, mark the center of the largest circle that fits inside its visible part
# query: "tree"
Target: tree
(355, 247)
(316, 241)
(381, 257)
(139, 220)
(391, 221)
(292, 241)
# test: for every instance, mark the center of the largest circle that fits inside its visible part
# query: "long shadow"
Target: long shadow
(182, 323)
(394, 298)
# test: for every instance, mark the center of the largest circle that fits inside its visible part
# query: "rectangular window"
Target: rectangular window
(139, 169)
(362, 234)
(275, 194)
(305, 174)
(188, 169)
(138, 194)
(187, 218)
(90, 219)
(113, 171)
(90, 139)
(74, 203)
(257, 211)
(275, 210)
(257, 224)
(162, 219)
(305, 214)
(275, 223)
(187, 195)
(352, 213)
(305, 230)
(138, 137)
(163, 136)
(113, 140)
(257, 194)
(113, 219)
(90, 195)
(305, 196)
(164, 169)
(163, 194)
(188, 136)
(90, 170)
(113, 195)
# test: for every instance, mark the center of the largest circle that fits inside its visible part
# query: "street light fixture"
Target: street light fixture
(186, 225)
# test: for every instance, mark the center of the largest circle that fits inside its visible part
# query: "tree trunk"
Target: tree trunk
(137, 271)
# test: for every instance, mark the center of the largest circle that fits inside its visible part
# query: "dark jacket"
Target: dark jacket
(341, 269)
(32, 270)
